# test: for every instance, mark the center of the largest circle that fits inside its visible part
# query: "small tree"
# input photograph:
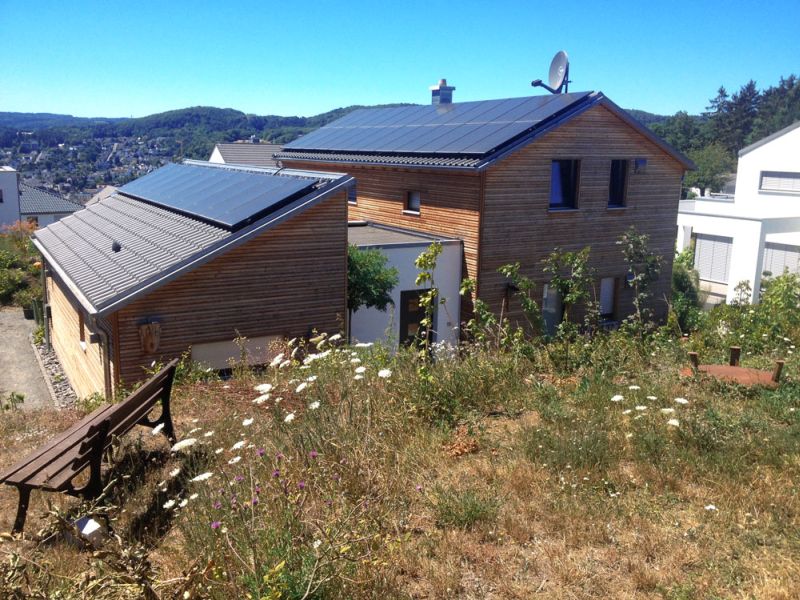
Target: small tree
(426, 263)
(369, 281)
(644, 267)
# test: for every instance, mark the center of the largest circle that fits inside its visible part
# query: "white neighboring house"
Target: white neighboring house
(9, 196)
(43, 207)
(759, 230)
(254, 154)
(399, 323)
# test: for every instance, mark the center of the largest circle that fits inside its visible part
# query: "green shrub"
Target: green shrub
(11, 280)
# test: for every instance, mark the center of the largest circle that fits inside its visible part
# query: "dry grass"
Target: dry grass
(562, 496)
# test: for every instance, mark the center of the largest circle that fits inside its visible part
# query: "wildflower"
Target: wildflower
(238, 445)
(219, 451)
(418, 488)
(628, 435)
(361, 370)
(288, 418)
(261, 399)
(194, 496)
(301, 485)
(263, 388)
(313, 454)
(363, 345)
(247, 422)
(634, 387)
(641, 407)
(261, 452)
(279, 456)
(169, 504)
(174, 472)
(617, 398)
(710, 507)
(355, 361)
(254, 501)
(359, 376)
(317, 544)
(627, 411)
(234, 460)
(277, 360)
(314, 405)
(238, 479)
(215, 524)
(183, 503)
(195, 430)
(226, 387)
(276, 473)
(673, 423)
(284, 364)
(667, 411)
(217, 505)
(183, 444)
(208, 434)
(301, 387)
(157, 429)
(312, 379)
(681, 401)
(385, 373)
(652, 398)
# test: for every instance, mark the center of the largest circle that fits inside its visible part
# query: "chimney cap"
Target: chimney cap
(442, 85)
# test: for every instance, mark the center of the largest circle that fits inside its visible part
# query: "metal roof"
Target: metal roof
(157, 244)
(33, 201)
(258, 155)
(466, 135)
(229, 198)
(366, 234)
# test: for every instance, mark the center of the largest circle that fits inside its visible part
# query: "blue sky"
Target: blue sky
(120, 59)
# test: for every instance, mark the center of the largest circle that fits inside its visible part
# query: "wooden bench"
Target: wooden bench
(56, 465)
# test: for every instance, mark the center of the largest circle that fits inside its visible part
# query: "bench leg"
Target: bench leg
(22, 508)
(166, 418)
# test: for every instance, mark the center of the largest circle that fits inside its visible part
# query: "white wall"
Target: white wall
(216, 157)
(371, 325)
(9, 208)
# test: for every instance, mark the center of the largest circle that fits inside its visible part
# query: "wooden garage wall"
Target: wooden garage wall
(286, 281)
(517, 225)
(450, 201)
(84, 367)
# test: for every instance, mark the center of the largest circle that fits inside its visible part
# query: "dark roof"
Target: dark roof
(157, 243)
(257, 155)
(466, 135)
(33, 201)
(769, 138)
(367, 234)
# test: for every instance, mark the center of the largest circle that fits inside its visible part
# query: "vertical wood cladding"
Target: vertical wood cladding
(285, 281)
(517, 224)
(83, 365)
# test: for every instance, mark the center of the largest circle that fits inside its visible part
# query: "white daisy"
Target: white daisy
(617, 398)
(710, 507)
(641, 407)
(277, 360)
(385, 373)
(634, 387)
(183, 444)
(674, 423)
(174, 472)
(361, 370)
(355, 361)
(314, 405)
(157, 429)
(301, 387)
(234, 460)
(652, 398)
(247, 422)
(263, 388)
(359, 376)
(238, 445)
(169, 504)
(203, 476)
(681, 401)
(288, 418)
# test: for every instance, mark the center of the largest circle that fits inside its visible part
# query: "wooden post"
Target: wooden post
(776, 374)
(695, 360)
(736, 352)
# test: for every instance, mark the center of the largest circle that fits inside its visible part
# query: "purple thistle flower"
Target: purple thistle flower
(217, 504)
(258, 489)
(255, 501)
(279, 456)
(301, 485)
(313, 454)
(276, 473)
(238, 478)
(215, 524)
(419, 488)
(261, 452)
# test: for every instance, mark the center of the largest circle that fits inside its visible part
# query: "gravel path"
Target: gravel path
(19, 371)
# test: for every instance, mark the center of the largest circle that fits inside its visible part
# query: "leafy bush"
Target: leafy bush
(11, 280)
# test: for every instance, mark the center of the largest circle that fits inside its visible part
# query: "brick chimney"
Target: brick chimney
(442, 93)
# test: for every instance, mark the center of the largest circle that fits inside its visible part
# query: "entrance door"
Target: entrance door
(552, 310)
(411, 315)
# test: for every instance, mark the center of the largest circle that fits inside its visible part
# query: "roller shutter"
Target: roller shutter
(712, 257)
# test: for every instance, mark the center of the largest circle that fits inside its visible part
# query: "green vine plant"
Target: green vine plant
(426, 263)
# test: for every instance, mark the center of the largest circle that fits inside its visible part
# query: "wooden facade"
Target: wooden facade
(503, 214)
(286, 281)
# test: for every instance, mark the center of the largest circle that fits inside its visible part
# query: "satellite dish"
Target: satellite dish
(559, 74)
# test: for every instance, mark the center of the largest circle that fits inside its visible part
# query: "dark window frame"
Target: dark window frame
(572, 179)
(410, 317)
(352, 196)
(407, 204)
(618, 191)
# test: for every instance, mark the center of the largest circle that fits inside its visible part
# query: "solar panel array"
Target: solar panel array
(227, 198)
(471, 128)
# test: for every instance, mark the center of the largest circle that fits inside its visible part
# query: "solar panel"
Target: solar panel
(227, 198)
(473, 128)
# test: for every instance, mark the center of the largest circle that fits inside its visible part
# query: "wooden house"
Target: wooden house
(192, 256)
(513, 179)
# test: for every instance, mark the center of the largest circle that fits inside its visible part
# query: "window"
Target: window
(776, 181)
(552, 309)
(1, 196)
(411, 314)
(564, 183)
(413, 202)
(639, 166)
(81, 331)
(779, 257)
(618, 183)
(608, 286)
(712, 257)
(352, 196)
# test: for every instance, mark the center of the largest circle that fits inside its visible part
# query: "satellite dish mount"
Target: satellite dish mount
(559, 75)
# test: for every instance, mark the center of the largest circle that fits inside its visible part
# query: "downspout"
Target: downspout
(106, 350)
(45, 307)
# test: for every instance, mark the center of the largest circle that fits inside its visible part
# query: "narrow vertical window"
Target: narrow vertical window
(413, 202)
(564, 176)
(352, 196)
(618, 184)
(608, 287)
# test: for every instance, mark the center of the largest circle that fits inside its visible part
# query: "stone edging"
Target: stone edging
(65, 396)
(45, 374)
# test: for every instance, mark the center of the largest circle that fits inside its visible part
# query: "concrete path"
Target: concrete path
(19, 371)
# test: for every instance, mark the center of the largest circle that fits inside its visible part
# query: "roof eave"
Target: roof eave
(62, 275)
(204, 256)
(369, 163)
